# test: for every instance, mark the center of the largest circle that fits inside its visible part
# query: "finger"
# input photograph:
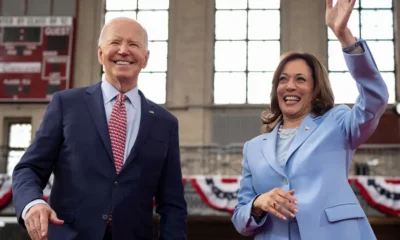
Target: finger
(288, 196)
(30, 227)
(38, 227)
(273, 211)
(352, 3)
(44, 223)
(329, 4)
(288, 205)
(33, 234)
(54, 219)
(291, 192)
(278, 207)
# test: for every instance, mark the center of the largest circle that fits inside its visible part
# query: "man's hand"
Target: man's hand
(37, 221)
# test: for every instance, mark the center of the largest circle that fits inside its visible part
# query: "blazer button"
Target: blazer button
(105, 217)
(285, 181)
(115, 184)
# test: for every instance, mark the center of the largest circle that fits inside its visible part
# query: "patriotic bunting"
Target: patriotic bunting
(220, 193)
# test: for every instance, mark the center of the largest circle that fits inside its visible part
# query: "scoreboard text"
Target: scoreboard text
(35, 57)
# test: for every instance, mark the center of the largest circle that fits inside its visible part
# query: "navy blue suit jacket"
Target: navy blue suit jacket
(73, 142)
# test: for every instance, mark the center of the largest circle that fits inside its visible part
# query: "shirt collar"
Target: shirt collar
(110, 92)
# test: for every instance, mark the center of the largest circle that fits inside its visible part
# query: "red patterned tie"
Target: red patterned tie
(117, 128)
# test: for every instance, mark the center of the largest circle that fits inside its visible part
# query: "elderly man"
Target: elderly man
(111, 151)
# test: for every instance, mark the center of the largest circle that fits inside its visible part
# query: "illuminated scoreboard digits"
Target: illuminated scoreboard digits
(35, 57)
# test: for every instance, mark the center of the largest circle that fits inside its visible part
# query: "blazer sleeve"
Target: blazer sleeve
(32, 173)
(171, 204)
(242, 219)
(360, 122)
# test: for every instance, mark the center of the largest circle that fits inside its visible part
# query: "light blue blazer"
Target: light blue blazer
(317, 167)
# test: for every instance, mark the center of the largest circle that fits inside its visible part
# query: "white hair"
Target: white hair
(101, 36)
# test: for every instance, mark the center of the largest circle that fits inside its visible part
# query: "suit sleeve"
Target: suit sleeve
(242, 219)
(171, 204)
(32, 173)
(360, 122)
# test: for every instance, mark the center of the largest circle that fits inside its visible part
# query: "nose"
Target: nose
(291, 85)
(123, 49)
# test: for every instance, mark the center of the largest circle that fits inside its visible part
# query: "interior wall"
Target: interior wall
(190, 66)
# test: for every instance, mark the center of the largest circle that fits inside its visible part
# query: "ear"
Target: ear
(100, 55)
(146, 59)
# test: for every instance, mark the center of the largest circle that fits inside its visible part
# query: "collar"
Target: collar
(110, 93)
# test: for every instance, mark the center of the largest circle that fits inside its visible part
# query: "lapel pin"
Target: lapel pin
(307, 128)
(152, 112)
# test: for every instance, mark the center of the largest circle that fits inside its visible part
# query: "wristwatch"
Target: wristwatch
(352, 47)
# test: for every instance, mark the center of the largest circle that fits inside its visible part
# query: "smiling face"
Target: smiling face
(123, 51)
(295, 89)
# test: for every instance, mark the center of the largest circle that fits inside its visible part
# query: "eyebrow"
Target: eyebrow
(120, 39)
(298, 74)
(114, 39)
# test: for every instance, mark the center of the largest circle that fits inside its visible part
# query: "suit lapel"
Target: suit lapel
(269, 150)
(307, 127)
(146, 122)
(95, 103)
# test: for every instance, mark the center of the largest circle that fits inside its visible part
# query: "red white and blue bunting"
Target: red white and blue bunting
(381, 193)
(220, 193)
(217, 192)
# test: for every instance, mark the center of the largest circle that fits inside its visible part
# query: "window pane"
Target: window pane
(344, 87)
(389, 78)
(153, 85)
(229, 4)
(373, 29)
(230, 25)
(353, 24)
(12, 160)
(235, 82)
(153, 4)
(257, 27)
(158, 57)
(230, 56)
(20, 135)
(112, 15)
(156, 24)
(267, 4)
(121, 4)
(263, 56)
(335, 57)
(259, 87)
(376, 3)
(383, 52)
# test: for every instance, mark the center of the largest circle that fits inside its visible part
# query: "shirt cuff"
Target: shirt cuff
(31, 204)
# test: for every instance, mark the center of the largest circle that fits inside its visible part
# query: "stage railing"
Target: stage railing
(383, 160)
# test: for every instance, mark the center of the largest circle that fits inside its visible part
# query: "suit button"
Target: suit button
(115, 184)
(285, 181)
(105, 217)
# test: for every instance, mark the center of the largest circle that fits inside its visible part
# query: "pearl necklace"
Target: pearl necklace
(287, 134)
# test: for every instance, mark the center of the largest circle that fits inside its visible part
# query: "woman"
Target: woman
(294, 182)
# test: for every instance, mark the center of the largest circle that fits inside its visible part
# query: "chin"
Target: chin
(124, 77)
(290, 111)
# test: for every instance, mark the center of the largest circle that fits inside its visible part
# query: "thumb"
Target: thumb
(292, 192)
(54, 219)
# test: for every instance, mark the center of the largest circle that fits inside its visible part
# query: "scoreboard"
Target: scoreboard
(35, 57)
